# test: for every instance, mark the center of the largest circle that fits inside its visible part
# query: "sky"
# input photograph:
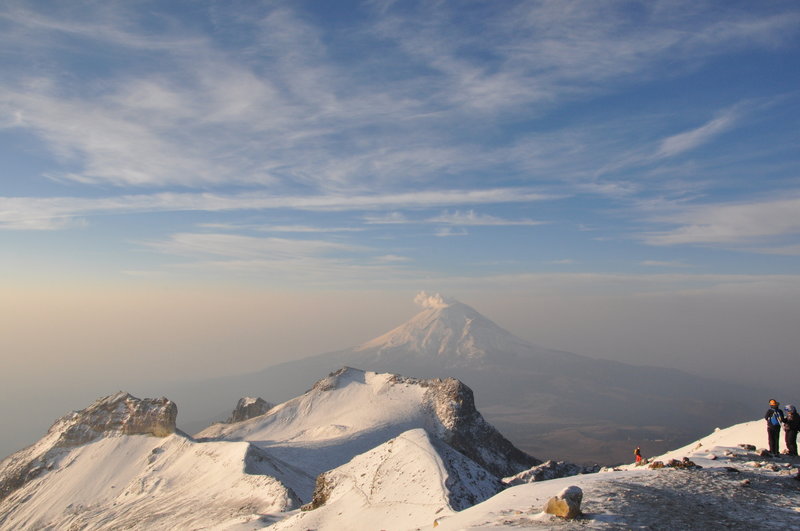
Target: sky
(194, 188)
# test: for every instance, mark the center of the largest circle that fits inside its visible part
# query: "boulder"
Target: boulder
(567, 504)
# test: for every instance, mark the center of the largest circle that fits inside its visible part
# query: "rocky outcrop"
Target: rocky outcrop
(684, 463)
(550, 470)
(322, 491)
(457, 422)
(119, 414)
(122, 414)
(248, 408)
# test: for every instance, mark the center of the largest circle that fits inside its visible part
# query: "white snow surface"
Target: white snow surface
(382, 470)
(407, 481)
(344, 415)
(145, 482)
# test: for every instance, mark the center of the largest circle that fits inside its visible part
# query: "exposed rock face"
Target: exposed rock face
(322, 491)
(567, 504)
(550, 470)
(247, 408)
(121, 414)
(459, 424)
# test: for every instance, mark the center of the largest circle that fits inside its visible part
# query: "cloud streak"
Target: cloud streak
(688, 140)
(737, 223)
(470, 218)
(57, 212)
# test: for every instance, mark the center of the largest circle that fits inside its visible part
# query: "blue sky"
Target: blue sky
(353, 142)
(600, 177)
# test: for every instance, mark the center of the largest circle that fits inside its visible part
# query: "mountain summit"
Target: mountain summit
(446, 332)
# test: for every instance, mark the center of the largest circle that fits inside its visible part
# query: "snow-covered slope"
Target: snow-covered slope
(352, 411)
(408, 481)
(141, 482)
(91, 471)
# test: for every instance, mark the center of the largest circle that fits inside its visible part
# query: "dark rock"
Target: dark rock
(119, 413)
(458, 423)
(248, 408)
(322, 490)
(550, 470)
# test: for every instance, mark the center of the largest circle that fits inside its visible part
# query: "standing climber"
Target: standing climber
(638, 454)
(791, 425)
(774, 418)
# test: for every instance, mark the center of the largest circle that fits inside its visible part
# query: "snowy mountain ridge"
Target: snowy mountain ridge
(391, 453)
(351, 411)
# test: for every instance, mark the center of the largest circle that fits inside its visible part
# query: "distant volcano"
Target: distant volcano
(552, 404)
(448, 334)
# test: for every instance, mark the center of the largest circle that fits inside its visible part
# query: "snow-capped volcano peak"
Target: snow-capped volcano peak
(449, 331)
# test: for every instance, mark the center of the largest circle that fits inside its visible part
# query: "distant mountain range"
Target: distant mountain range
(552, 404)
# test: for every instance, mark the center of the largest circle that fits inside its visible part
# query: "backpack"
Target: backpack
(775, 419)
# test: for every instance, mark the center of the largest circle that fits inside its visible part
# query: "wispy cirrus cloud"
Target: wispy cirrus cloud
(728, 223)
(447, 232)
(55, 212)
(277, 228)
(391, 218)
(688, 140)
(663, 263)
(315, 261)
(237, 246)
(471, 218)
(195, 113)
